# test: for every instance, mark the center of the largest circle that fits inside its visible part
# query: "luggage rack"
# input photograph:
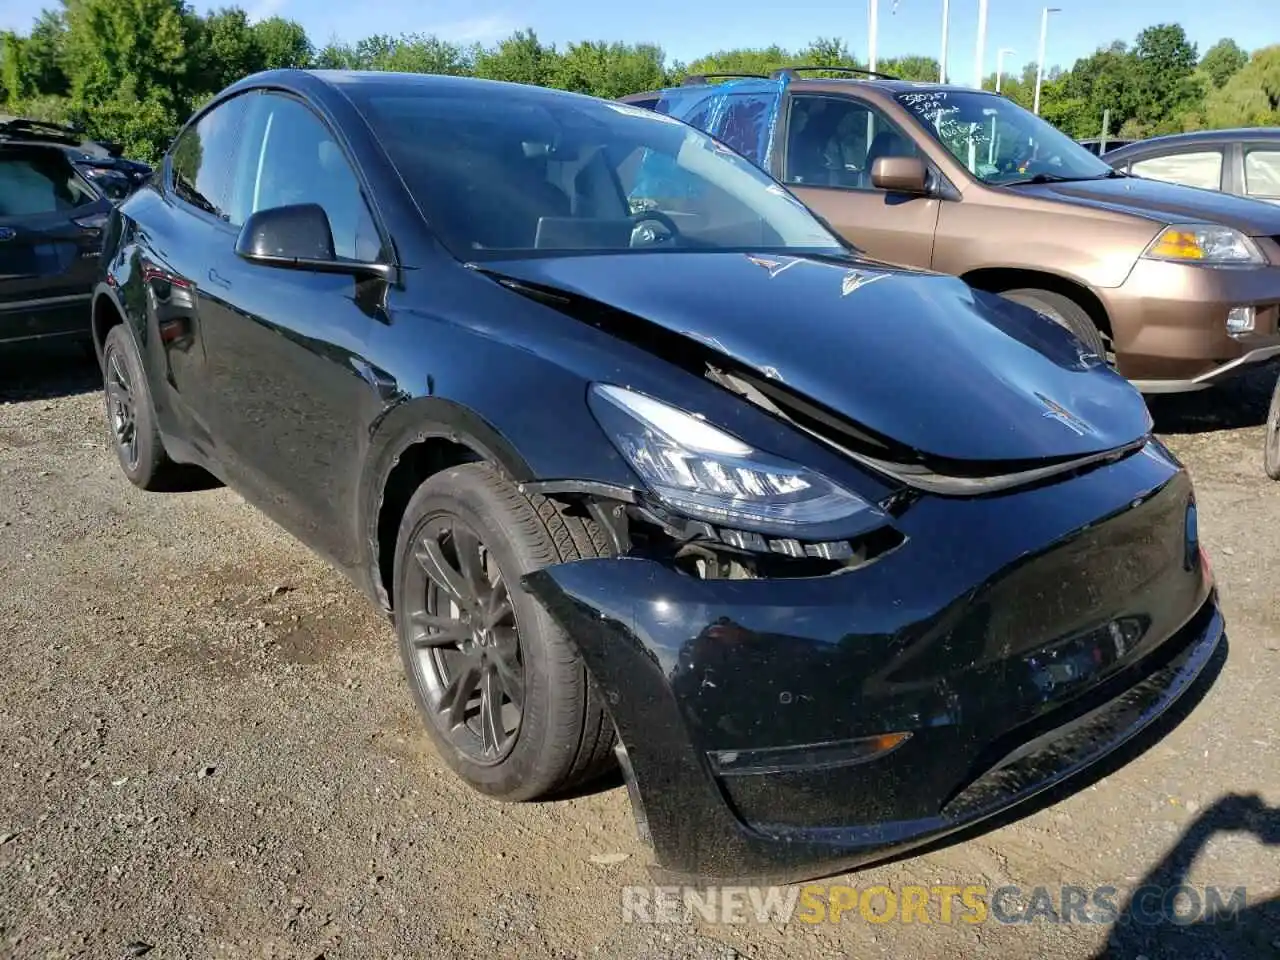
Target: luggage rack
(695, 79)
(786, 73)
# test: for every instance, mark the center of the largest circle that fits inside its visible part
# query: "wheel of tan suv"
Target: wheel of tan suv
(1271, 454)
(505, 696)
(1064, 311)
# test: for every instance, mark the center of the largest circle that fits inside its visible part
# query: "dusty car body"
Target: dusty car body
(1178, 288)
(833, 556)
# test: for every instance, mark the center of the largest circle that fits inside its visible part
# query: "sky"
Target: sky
(685, 29)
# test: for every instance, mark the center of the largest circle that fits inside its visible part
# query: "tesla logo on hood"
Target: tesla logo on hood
(1056, 411)
(856, 280)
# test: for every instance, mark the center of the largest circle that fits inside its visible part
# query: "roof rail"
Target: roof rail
(696, 78)
(785, 73)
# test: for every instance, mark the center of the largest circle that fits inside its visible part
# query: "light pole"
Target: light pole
(946, 24)
(982, 42)
(1044, 32)
(1000, 64)
(872, 30)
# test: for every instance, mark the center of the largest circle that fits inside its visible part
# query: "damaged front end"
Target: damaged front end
(975, 591)
(786, 716)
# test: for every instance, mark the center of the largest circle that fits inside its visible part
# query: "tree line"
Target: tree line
(131, 71)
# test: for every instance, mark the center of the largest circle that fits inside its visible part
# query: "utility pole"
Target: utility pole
(1044, 32)
(946, 25)
(1000, 64)
(873, 29)
(982, 43)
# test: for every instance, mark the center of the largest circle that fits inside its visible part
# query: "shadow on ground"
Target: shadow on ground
(1239, 403)
(1165, 918)
(47, 371)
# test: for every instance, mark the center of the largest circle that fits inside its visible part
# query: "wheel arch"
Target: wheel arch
(999, 279)
(417, 440)
(106, 313)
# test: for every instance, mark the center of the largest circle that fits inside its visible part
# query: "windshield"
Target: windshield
(502, 172)
(998, 141)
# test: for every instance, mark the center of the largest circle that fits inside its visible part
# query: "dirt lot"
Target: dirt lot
(208, 750)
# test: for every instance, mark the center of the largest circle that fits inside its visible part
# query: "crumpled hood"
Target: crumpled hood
(916, 357)
(1163, 202)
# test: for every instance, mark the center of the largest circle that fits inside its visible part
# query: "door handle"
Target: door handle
(216, 278)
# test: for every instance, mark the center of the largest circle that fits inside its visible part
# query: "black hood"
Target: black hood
(918, 358)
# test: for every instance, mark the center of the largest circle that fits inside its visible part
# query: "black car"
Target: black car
(51, 217)
(1244, 162)
(831, 556)
(102, 162)
(1098, 146)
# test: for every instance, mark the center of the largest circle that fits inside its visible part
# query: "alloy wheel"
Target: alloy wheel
(465, 641)
(121, 408)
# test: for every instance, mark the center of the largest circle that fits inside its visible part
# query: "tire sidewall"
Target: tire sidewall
(1074, 319)
(120, 341)
(1271, 451)
(518, 775)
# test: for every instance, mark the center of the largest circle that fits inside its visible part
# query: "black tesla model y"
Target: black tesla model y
(651, 470)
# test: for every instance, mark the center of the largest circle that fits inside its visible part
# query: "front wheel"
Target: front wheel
(504, 695)
(1063, 311)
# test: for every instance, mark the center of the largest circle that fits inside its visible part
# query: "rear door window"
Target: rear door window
(745, 123)
(1200, 168)
(38, 182)
(1262, 172)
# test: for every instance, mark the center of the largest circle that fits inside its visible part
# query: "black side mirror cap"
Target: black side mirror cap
(298, 237)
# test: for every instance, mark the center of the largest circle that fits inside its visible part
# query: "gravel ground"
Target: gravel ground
(209, 749)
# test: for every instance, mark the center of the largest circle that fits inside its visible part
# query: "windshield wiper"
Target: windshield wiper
(1059, 178)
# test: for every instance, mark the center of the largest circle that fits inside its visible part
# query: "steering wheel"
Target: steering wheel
(644, 235)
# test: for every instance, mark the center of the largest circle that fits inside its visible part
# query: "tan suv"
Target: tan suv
(1179, 287)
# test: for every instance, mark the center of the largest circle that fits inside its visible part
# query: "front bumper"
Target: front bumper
(1169, 324)
(1016, 639)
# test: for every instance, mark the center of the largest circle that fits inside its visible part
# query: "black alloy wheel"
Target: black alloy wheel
(504, 694)
(121, 410)
(131, 416)
(466, 640)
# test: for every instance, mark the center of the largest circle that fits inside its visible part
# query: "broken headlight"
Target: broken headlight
(704, 473)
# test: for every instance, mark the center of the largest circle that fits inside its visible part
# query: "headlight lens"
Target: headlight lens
(705, 473)
(1201, 243)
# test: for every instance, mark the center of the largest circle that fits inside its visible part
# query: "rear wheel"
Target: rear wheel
(1063, 311)
(131, 415)
(505, 696)
(1271, 453)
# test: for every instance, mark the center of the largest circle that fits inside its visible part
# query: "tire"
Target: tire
(1063, 311)
(130, 413)
(1271, 452)
(562, 736)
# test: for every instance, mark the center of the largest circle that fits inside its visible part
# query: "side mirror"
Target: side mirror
(900, 175)
(297, 237)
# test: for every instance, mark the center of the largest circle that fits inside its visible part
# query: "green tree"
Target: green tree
(1250, 98)
(1222, 61)
(520, 58)
(609, 69)
(281, 43)
(1164, 77)
(224, 49)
